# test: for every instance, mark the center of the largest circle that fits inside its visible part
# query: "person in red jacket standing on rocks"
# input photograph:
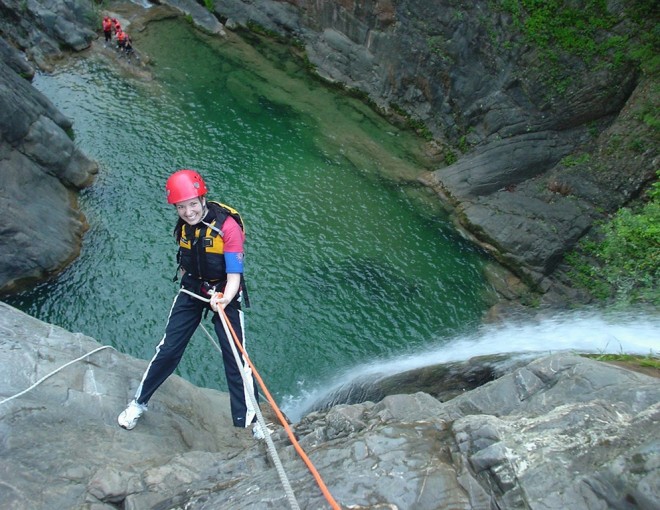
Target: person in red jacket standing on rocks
(107, 29)
(121, 39)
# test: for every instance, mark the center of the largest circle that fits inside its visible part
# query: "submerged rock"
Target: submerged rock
(536, 152)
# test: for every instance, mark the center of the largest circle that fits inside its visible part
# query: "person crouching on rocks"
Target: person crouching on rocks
(210, 238)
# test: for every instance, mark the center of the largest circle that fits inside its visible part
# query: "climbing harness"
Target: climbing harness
(199, 252)
(229, 331)
(54, 372)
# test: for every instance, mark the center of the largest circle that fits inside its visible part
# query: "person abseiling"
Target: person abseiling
(210, 255)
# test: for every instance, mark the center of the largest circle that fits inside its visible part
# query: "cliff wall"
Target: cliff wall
(536, 148)
(534, 152)
(41, 167)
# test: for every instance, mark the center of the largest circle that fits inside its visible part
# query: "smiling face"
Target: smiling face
(191, 211)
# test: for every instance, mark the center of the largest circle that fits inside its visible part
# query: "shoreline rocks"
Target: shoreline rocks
(41, 170)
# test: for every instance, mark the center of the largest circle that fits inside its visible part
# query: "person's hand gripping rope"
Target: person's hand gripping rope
(218, 301)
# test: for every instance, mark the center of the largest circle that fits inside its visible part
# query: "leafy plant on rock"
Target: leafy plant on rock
(625, 264)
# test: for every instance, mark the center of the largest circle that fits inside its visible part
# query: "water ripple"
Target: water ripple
(344, 261)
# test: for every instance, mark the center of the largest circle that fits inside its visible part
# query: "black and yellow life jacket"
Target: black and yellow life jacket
(201, 247)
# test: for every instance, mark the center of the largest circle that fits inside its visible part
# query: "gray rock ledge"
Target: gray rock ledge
(560, 432)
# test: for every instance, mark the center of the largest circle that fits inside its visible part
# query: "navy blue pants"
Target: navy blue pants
(185, 316)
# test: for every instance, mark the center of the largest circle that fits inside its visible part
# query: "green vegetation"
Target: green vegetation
(646, 51)
(463, 144)
(626, 262)
(648, 112)
(571, 26)
(450, 157)
(587, 30)
(256, 28)
(210, 5)
(575, 159)
(415, 124)
(436, 45)
(70, 133)
(308, 64)
(93, 17)
(648, 361)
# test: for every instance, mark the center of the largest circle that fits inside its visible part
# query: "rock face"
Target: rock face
(44, 29)
(557, 432)
(200, 15)
(41, 167)
(74, 453)
(466, 72)
(535, 157)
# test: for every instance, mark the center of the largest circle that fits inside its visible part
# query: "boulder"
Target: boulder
(42, 169)
(559, 431)
(45, 29)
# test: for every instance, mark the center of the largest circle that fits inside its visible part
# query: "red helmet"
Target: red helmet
(183, 185)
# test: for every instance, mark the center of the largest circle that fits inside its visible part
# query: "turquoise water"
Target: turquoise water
(348, 259)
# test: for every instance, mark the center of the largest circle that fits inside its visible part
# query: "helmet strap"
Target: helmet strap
(205, 209)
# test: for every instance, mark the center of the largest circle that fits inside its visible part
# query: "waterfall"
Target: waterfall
(581, 332)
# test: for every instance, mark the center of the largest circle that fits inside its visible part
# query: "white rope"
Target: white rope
(288, 490)
(54, 372)
(196, 296)
(260, 418)
(262, 423)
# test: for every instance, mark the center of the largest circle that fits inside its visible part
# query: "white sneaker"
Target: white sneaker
(258, 433)
(129, 417)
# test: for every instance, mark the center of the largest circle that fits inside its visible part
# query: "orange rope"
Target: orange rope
(280, 416)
